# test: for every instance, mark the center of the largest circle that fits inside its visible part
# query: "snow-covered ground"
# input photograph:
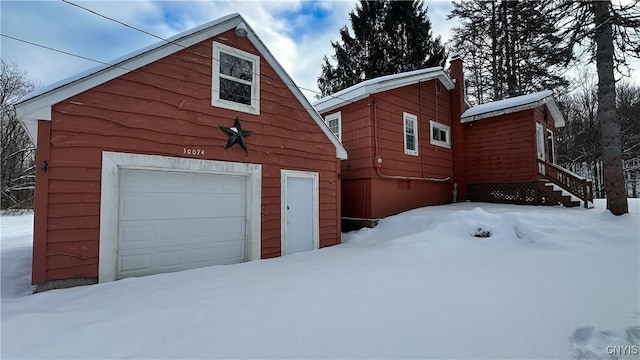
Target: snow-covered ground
(549, 282)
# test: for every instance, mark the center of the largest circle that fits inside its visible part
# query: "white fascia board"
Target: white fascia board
(555, 112)
(337, 100)
(383, 83)
(549, 101)
(30, 122)
(37, 106)
(31, 127)
(341, 152)
(415, 79)
(499, 112)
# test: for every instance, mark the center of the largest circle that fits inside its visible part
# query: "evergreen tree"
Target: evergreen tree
(510, 47)
(389, 37)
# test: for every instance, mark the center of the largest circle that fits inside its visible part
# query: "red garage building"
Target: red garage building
(192, 152)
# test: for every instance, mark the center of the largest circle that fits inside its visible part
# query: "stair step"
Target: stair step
(564, 192)
(572, 200)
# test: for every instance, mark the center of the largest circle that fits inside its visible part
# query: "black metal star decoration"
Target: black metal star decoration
(236, 135)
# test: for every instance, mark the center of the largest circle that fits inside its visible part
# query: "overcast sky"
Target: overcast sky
(298, 33)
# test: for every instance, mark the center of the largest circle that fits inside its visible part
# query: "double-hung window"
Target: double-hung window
(236, 79)
(410, 134)
(440, 134)
(333, 121)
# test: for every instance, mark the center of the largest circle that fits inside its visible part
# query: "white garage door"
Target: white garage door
(170, 221)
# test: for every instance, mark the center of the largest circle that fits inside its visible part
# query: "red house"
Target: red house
(413, 140)
(395, 163)
(192, 152)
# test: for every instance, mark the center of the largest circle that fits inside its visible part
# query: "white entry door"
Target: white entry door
(540, 144)
(299, 211)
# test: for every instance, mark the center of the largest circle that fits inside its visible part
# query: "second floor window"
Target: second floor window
(334, 123)
(236, 79)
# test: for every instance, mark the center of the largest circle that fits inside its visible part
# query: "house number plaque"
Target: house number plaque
(189, 151)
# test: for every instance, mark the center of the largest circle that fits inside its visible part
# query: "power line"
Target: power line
(141, 69)
(60, 51)
(184, 47)
(130, 26)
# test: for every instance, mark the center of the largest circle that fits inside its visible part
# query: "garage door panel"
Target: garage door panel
(177, 221)
(134, 262)
(150, 233)
(170, 258)
(225, 184)
(146, 261)
(175, 182)
(137, 206)
(231, 252)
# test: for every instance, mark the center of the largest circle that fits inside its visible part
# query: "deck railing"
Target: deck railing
(573, 183)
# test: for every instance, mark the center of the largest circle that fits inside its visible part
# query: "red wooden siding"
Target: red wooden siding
(502, 149)
(40, 204)
(391, 196)
(357, 137)
(419, 100)
(375, 126)
(161, 109)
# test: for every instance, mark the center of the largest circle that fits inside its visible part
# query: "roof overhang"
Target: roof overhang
(37, 105)
(380, 84)
(512, 105)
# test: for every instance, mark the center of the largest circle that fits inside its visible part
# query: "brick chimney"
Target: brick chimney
(459, 136)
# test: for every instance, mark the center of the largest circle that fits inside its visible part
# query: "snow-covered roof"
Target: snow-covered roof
(514, 104)
(383, 83)
(37, 105)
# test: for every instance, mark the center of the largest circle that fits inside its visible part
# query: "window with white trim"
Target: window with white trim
(440, 134)
(334, 122)
(410, 134)
(550, 152)
(235, 79)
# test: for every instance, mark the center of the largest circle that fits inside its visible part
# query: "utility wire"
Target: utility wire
(130, 27)
(142, 69)
(60, 51)
(184, 47)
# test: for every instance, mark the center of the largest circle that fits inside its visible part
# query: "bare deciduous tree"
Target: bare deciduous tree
(17, 170)
(610, 32)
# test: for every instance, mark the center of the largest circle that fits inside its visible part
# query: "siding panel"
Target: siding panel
(163, 109)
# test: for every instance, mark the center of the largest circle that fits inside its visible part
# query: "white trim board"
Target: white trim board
(514, 104)
(380, 84)
(37, 105)
(113, 163)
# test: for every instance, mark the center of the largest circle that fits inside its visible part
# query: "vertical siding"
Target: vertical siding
(502, 149)
(161, 109)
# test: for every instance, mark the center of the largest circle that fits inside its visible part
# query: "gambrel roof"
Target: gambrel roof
(37, 105)
(515, 104)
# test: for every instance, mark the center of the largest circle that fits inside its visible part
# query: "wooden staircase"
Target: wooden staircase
(553, 193)
(563, 186)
